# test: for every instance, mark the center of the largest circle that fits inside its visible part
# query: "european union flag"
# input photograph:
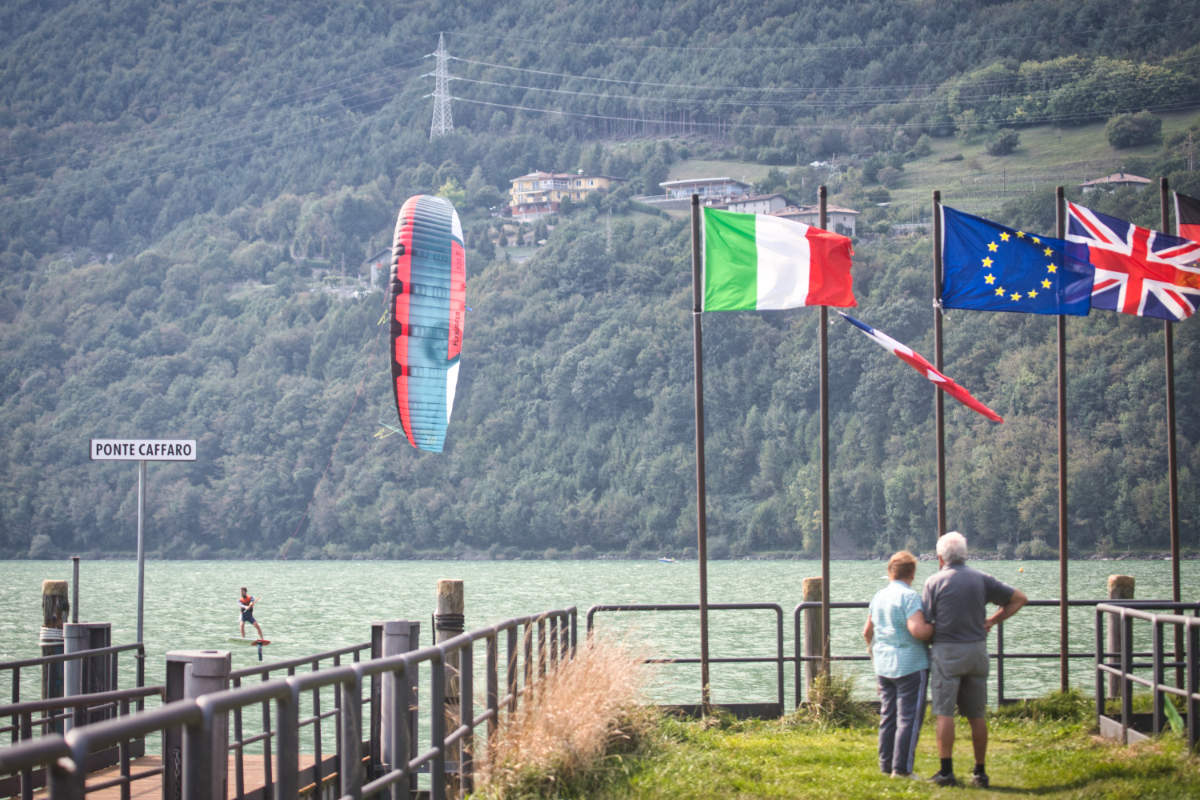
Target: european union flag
(989, 267)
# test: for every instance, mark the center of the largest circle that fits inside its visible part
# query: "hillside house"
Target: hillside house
(837, 219)
(379, 267)
(540, 194)
(758, 203)
(709, 189)
(1114, 181)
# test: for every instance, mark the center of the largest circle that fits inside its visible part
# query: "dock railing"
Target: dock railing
(759, 709)
(1124, 665)
(242, 742)
(83, 704)
(1001, 654)
(103, 660)
(532, 644)
(804, 656)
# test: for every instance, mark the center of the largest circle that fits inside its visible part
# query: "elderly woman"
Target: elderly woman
(896, 632)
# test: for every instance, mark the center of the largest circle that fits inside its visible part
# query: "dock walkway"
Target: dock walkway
(254, 776)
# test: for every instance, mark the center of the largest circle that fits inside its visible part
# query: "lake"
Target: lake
(307, 607)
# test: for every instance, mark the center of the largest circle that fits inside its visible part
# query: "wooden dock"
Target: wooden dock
(150, 788)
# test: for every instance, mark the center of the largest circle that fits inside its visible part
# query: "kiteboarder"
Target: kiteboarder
(246, 604)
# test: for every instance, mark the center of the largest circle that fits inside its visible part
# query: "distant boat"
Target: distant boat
(666, 560)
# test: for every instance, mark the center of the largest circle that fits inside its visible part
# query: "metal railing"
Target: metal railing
(1000, 655)
(201, 720)
(120, 703)
(778, 659)
(98, 666)
(1124, 669)
(13, 668)
(240, 741)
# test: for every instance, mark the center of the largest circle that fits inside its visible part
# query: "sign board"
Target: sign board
(143, 449)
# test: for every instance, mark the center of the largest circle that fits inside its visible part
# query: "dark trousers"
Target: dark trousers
(901, 709)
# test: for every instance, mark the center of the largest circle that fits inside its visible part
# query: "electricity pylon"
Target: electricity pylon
(443, 121)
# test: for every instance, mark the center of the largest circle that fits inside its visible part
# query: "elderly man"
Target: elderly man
(956, 599)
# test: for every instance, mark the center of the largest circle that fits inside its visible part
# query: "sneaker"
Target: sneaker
(944, 779)
(980, 779)
(912, 776)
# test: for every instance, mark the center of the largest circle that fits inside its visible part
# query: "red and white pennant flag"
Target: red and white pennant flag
(917, 362)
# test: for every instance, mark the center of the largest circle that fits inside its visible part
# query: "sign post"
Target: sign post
(142, 450)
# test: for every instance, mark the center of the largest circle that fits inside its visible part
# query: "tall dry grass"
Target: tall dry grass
(567, 728)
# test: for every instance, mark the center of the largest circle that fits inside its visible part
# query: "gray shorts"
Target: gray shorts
(958, 674)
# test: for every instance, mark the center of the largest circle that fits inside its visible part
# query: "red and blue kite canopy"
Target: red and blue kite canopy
(428, 299)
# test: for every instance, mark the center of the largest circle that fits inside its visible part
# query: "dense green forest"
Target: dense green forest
(191, 192)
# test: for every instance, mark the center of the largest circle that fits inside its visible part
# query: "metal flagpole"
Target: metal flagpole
(701, 513)
(824, 402)
(938, 407)
(1172, 462)
(141, 550)
(1063, 605)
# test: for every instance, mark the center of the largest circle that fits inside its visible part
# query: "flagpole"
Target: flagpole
(824, 402)
(938, 408)
(1172, 463)
(701, 513)
(1063, 639)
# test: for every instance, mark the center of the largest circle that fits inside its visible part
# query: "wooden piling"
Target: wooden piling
(1120, 587)
(448, 622)
(814, 635)
(55, 608)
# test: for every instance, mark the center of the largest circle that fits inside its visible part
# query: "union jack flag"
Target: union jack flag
(1138, 270)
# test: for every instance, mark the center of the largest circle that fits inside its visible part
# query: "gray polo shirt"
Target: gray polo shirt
(956, 599)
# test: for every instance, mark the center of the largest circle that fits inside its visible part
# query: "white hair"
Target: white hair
(952, 548)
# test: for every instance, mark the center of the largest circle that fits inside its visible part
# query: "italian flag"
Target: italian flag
(761, 262)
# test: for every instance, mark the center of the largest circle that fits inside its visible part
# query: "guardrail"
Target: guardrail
(1124, 669)
(1002, 654)
(114, 704)
(240, 741)
(95, 667)
(201, 721)
(754, 709)
(14, 667)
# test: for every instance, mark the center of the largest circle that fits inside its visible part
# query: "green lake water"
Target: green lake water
(307, 607)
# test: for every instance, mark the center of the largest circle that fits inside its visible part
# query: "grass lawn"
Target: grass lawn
(778, 759)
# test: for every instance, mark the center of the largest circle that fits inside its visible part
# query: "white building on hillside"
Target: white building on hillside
(707, 188)
(1115, 180)
(758, 204)
(837, 219)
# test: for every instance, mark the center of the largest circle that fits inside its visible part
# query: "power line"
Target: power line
(733, 124)
(901, 89)
(873, 46)
(236, 136)
(156, 154)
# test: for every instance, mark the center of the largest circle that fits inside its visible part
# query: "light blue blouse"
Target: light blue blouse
(896, 651)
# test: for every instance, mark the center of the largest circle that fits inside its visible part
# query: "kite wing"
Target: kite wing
(427, 302)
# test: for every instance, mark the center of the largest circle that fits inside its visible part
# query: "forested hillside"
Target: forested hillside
(191, 193)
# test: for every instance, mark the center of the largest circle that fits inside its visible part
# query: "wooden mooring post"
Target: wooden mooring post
(1120, 587)
(814, 634)
(448, 622)
(55, 608)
